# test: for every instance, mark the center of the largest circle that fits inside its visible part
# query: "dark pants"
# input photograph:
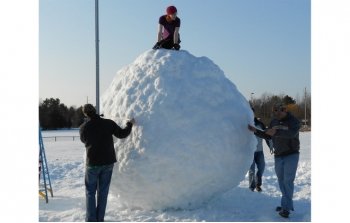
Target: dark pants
(97, 178)
(167, 44)
(259, 160)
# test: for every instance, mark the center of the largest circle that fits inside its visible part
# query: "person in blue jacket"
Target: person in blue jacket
(284, 132)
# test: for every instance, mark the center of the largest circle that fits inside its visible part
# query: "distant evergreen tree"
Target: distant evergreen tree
(49, 115)
(287, 100)
(78, 117)
(264, 104)
(53, 114)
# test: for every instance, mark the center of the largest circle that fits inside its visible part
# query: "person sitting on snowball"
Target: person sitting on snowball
(168, 30)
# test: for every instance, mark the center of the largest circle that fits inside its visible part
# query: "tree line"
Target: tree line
(300, 108)
(55, 115)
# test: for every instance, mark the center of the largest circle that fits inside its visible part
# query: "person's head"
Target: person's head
(89, 110)
(279, 110)
(171, 12)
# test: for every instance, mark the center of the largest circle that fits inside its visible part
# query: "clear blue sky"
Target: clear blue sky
(262, 46)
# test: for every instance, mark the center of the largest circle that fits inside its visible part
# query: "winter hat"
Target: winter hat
(89, 110)
(171, 10)
(279, 106)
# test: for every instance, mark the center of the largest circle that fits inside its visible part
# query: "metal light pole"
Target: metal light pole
(97, 60)
(305, 121)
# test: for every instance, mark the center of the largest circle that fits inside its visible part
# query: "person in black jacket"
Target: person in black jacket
(97, 135)
(284, 132)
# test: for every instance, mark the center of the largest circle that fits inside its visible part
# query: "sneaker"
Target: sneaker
(284, 213)
(258, 188)
(278, 208)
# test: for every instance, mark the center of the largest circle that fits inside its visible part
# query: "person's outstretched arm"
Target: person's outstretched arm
(258, 132)
(176, 35)
(123, 133)
(160, 33)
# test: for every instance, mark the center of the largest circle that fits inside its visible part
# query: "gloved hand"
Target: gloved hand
(157, 46)
(176, 46)
(132, 121)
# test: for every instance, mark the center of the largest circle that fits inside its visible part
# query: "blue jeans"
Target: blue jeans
(97, 178)
(286, 168)
(259, 160)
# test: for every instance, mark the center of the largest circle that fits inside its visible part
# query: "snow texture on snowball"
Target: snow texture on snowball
(190, 142)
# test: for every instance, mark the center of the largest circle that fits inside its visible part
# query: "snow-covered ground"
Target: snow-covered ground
(66, 165)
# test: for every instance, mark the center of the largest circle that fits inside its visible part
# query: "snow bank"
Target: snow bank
(190, 142)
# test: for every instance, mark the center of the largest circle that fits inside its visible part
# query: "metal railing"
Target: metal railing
(56, 137)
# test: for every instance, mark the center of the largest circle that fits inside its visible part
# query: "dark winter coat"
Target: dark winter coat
(97, 135)
(169, 27)
(286, 139)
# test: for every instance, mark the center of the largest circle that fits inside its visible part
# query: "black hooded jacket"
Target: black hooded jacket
(97, 135)
(286, 140)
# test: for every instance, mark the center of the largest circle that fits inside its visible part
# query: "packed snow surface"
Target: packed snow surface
(66, 166)
(187, 125)
(190, 142)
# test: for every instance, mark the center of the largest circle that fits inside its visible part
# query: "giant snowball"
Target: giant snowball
(190, 142)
